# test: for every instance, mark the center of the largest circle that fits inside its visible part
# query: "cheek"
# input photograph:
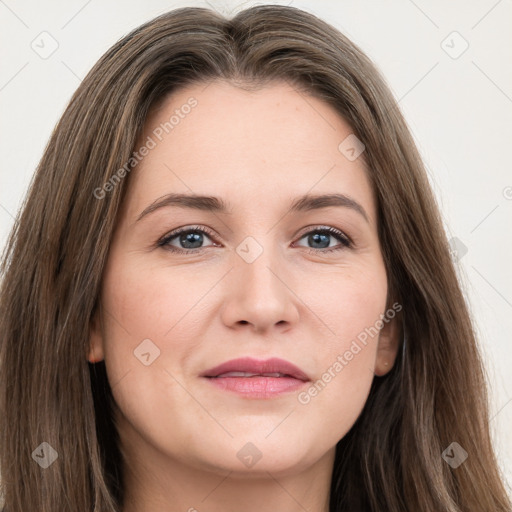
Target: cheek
(145, 302)
(143, 337)
(132, 322)
(348, 302)
(153, 320)
(352, 309)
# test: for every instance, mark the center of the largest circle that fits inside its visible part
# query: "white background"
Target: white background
(459, 110)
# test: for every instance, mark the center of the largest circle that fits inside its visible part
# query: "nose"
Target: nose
(259, 294)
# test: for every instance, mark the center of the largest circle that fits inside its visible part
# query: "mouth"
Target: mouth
(248, 367)
(252, 378)
(248, 374)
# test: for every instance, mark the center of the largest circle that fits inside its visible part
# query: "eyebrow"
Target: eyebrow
(215, 204)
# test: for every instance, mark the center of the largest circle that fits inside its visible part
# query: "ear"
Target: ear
(96, 353)
(387, 347)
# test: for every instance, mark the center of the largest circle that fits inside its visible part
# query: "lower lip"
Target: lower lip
(257, 387)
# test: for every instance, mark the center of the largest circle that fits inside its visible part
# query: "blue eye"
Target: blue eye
(321, 236)
(192, 239)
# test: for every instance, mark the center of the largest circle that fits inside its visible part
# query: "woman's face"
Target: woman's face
(262, 281)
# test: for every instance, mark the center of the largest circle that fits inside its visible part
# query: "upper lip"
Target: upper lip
(248, 364)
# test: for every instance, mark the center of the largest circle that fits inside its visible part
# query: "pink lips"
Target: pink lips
(255, 378)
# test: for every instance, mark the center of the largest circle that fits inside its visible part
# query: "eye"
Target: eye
(320, 237)
(191, 238)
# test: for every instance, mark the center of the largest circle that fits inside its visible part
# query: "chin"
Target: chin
(250, 459)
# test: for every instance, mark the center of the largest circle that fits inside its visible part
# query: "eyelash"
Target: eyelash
(346, 242)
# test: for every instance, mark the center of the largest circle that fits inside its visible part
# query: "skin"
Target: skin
(180, 435)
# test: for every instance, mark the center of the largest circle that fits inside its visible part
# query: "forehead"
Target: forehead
(264, 145)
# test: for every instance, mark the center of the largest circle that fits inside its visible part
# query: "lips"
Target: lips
(248, 367)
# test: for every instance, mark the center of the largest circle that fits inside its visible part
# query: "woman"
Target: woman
(251, 368)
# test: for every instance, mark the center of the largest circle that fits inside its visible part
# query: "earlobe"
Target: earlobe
(95, 338)
(387, 347)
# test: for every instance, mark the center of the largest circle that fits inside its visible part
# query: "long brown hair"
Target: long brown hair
(391, 459)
